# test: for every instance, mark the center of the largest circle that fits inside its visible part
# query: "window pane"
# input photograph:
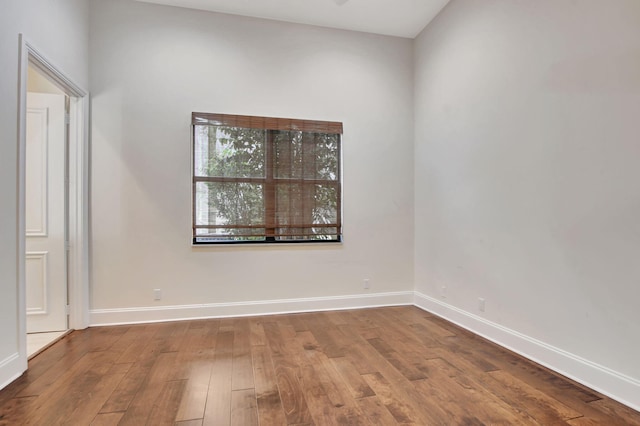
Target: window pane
(305, 205)
(287, 150)
(327, 153)
(290, 205)
(303, 155)
(229, 203)
(325, 209)
(229, 152)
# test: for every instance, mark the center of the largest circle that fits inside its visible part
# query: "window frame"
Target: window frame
(270, 125)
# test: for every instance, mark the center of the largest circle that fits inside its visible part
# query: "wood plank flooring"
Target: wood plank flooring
(382, 366)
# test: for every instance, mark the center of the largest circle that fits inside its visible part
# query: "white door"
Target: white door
(46, 271)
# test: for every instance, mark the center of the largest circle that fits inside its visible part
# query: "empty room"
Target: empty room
(319, 212)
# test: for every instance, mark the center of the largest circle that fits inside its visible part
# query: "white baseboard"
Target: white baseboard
(11, 368)
(602, 379)
(101, 317)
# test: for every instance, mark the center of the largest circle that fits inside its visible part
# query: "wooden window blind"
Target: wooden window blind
(263, 179)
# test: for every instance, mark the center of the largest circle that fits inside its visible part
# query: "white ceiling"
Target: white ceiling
(402, 18)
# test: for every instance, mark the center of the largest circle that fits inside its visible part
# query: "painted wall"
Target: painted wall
(151, 66)
(58, 29)
(527, 187)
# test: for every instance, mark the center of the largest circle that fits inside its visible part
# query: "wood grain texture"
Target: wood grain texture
(381, 366)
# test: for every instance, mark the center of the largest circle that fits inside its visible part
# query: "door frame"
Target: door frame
(77, 187)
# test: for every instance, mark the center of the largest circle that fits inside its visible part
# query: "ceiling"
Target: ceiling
(401, 18)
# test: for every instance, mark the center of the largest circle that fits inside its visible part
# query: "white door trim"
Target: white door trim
(78, 209)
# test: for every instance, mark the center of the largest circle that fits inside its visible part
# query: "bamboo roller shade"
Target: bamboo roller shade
(268, 123)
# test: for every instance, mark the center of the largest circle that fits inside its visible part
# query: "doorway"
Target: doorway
(46, 211)
(52, 202)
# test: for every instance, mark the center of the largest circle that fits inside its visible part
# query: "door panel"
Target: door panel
(36, 275)
(46, 280)
(36, 194)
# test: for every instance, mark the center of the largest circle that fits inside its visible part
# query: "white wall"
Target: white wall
(58, 30)
(527, 188)
(151, 66)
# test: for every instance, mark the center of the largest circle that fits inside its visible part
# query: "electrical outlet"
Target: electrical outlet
(443, 292)
(157, 294)
(365, 284)
(481, 304)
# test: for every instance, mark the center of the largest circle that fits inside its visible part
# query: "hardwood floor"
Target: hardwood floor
(382, 366)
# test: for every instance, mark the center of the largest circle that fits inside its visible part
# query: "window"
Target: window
(259, 179)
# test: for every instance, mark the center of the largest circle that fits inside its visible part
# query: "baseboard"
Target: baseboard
(11, 368)
(597, 377)
(101, 317)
